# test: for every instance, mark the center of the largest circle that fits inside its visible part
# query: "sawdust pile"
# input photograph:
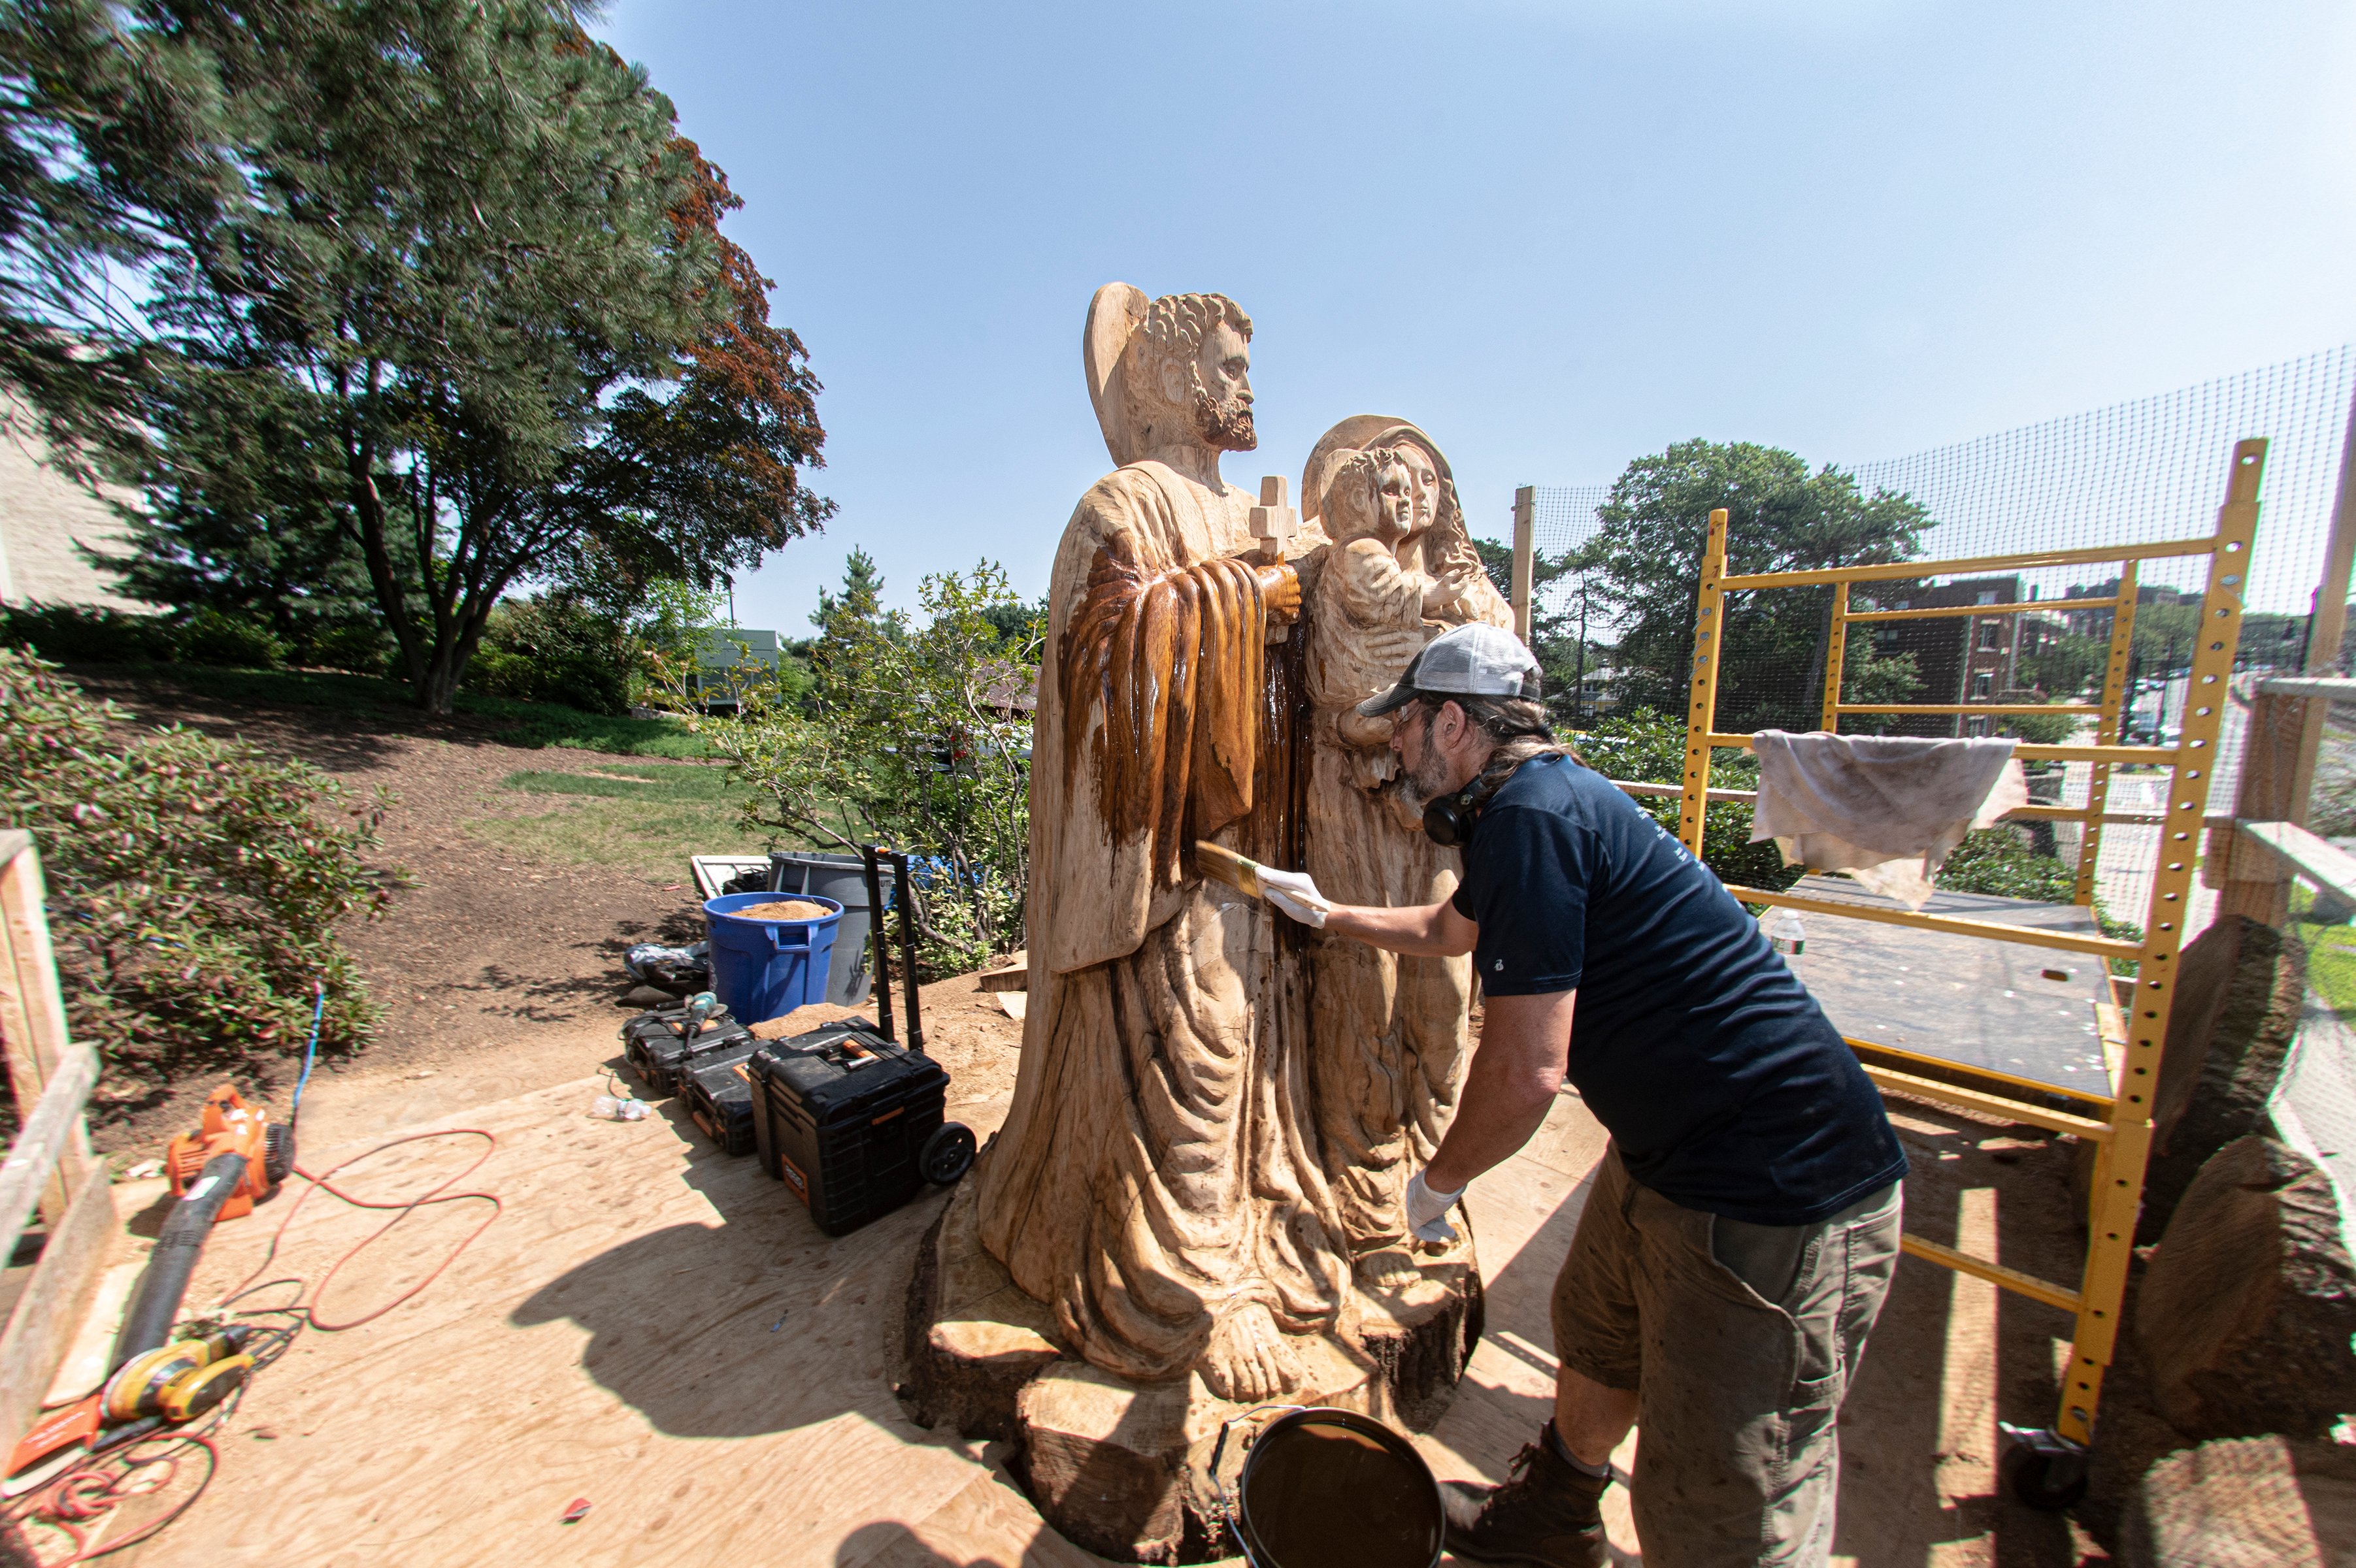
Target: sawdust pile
(783, 909)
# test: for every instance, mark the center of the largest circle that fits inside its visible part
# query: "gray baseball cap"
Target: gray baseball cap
(1463, 661)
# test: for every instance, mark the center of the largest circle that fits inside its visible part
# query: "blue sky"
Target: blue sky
(1557, 235)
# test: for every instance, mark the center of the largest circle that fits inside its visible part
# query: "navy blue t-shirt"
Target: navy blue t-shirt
(1720, 1080)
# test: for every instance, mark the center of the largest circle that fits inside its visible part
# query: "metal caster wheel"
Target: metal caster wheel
(2045, 1469)
(947, 1154)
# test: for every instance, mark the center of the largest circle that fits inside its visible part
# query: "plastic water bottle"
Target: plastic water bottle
(1786, 934)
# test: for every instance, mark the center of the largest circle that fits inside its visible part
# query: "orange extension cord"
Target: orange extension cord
(90, 1489)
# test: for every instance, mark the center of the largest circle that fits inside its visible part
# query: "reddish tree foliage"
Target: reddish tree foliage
(729, 445)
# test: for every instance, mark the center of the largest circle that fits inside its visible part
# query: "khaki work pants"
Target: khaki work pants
(1740, 1341)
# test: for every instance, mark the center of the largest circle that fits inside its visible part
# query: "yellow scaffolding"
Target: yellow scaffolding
(2118, 1123)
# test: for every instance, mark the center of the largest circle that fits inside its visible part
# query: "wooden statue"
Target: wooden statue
(1152, 1183)
(1213, 1112)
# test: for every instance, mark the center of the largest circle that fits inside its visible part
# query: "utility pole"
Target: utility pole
(1525, 524)
(1578, 691)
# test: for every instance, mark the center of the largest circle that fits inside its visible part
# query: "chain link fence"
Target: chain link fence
(2149, 469)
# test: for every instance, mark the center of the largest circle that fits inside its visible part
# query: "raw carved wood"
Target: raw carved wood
(1194, 1204)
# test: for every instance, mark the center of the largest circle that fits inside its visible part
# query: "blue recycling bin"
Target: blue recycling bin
(765, 968)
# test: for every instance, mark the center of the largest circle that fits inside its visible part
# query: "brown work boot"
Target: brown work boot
(1548, 1515)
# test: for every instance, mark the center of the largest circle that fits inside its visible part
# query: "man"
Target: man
(1741, 1229)
(1147, 1185)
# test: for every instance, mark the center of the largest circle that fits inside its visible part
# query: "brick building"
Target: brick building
(1961, 659)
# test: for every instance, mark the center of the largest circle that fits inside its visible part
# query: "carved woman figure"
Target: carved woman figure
(1388, 1032)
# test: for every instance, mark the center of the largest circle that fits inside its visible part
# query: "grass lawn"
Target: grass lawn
(2330, 953)
(2331, 965)
(642, 818)
(522, 723)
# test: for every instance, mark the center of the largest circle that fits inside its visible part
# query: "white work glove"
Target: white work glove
(1295, 894)
(1427, 1210)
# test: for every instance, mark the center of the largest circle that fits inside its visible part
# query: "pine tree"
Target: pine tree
(242, 516)
(862, 598)
(81, 94)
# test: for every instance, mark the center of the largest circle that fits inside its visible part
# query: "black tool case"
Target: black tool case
(658, 1049)
(717, 1090)
(861, 1036)
(846, 1118)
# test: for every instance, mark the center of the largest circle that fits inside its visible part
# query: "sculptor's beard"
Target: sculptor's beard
(1224, 426)
(1425, 782)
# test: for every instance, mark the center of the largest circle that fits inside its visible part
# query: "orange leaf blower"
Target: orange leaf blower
(233, 1126)
(236, 1158)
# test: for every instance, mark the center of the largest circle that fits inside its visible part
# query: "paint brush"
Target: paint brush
(1225, 864)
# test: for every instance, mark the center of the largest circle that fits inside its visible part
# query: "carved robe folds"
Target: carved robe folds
(1152, 1176)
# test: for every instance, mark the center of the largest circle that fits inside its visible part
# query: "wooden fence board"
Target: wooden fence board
(52, 1310)
(32, 1162)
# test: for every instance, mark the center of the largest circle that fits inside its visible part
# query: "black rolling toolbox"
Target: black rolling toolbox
(848, 1117)
(717, 1090)
(660, 1051)
(851, 1123)
(858, 1035)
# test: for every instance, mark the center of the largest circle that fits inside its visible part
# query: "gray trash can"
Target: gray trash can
(843, 879)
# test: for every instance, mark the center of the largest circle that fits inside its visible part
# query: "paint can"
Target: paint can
(1323, 1488)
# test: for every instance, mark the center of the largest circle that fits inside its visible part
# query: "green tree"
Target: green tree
(467, 249)
(862, 598)
(903, 738)
(672, 616)
(2165, 636)
(1554, 634)
(1646, 560)
(2066, 667)
(1018, 621)
(80, 94)
(241, 515)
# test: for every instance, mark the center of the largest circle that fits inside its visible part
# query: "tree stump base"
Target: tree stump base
(2246, 1502)
(1123, 1469)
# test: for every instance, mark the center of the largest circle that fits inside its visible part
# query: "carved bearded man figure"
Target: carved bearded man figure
(1156, 1182)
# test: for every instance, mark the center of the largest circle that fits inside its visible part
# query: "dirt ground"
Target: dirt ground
(501, 979)
(497, 973)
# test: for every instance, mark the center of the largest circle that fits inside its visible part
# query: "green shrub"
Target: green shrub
(194, 884)
(83, 634)
(2038, 728)
(1647, 747)
(360, 647)
(1998, 861)
(549, 649)
(210, 637)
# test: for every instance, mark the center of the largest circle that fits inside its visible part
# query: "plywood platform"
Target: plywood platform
(2028, 1011)
(655, 1327)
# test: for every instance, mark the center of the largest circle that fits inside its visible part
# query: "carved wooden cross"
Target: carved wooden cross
(1273, 520)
